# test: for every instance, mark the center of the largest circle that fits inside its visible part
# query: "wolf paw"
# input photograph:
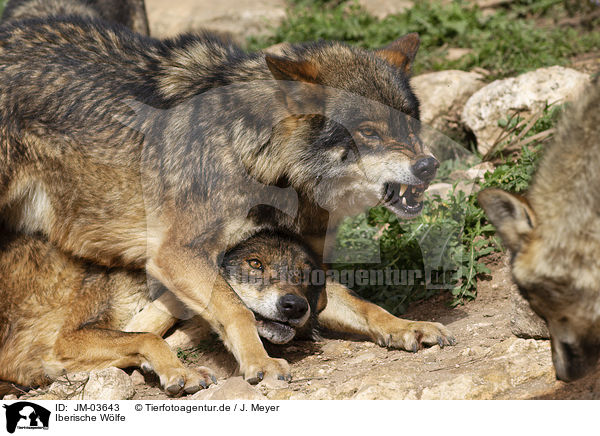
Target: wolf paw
(413, 335)
(256, 372)
(180, 381)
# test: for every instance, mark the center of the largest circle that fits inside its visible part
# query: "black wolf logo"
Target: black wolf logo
(28, 414)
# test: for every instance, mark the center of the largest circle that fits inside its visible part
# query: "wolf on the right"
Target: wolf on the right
(554, 237)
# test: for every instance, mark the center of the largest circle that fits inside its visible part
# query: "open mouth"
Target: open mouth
(276, 332)
(404, 200)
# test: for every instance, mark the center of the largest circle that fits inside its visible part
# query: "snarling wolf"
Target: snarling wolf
(554, 237)
(172, 190)
(61, 314)
(131, 13)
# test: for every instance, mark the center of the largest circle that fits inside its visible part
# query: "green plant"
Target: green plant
(452, 232)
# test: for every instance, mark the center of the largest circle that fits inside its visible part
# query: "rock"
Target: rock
(478, 172)
(367, 356)
(270, 383)
(9, 397)
(526, 93)
(383, 8)
(519, 365)
(441, 189)
(106, 384)
(240, 18)
(137, 378)
(234, 388)
(455, 53)
(44, 396)
(444, 189)
(335, 348)
(524, 323)
(443, 95)
(385, 391)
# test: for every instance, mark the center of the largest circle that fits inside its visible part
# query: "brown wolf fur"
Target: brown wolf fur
(554, 237)
(130, 13)
(170, 192)
(58, 313)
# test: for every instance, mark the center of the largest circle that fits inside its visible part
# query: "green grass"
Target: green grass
(506, 42)
(452, 232)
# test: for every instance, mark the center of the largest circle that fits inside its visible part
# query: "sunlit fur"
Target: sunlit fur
(60, 314)
(555, 237)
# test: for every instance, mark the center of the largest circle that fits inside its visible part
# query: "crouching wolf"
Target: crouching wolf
(60, 314)
(554, 237)
(131, 13)
(171, 191)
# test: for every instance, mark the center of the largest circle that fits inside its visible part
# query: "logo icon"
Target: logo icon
(26, 415)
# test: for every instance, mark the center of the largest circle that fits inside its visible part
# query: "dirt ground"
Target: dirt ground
(488, 362)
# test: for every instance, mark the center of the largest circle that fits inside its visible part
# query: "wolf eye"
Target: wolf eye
(369, 133)
(255, 264)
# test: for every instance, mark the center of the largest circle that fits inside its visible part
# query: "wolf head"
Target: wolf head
(560, 281)
(351, 133)
(554, 237)
(272, 274)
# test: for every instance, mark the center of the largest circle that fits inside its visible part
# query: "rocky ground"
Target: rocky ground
(488, 362)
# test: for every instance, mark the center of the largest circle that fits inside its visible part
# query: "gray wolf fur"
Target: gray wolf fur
(130, 13)
(554, 237)
(167, 196)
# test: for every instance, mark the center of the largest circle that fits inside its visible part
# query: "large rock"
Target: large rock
(106, 384)
(524, 323)
(240, 18)
(234, 388)
(443, 95)
(526, 93)
(517, 363)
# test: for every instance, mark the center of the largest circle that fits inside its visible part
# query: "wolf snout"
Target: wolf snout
(425, 168)
(574, 361)
(292, 306)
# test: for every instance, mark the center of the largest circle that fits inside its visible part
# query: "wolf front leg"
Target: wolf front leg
(347, 312)
(87, 349)
(199, 285)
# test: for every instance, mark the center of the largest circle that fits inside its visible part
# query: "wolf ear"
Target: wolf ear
(511, 214)
(401, 53)
(287, 69)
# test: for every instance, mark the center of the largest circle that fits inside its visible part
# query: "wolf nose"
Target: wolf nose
(425, 168)
(292, 306)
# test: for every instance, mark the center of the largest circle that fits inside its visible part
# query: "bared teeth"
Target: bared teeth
(403, 189)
